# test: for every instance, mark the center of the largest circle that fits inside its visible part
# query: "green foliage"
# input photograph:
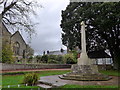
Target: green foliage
(30, 59)
(111, 72)
(55, 59)
(7, 54)
(52, 59)
(14, 78)
(17, 79)
(23, 87)
(44, 58)
(88, 87)
(75, 54)
(69, 59)
(38, 57)
(60, 59)
(103, 23)
(30, 79)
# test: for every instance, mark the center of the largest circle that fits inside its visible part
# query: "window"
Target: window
(16, 48)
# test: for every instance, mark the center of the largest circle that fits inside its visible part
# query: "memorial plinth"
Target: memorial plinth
(84, 69)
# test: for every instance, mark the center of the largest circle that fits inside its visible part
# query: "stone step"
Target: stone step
(44, 86)
(51, 83)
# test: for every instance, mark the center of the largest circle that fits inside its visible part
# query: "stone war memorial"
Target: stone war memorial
(84, 70)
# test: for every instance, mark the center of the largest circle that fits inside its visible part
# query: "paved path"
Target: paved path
(32, 70)
(56, 80)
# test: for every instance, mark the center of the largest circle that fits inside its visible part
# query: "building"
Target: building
(100, 57)
(19, 47)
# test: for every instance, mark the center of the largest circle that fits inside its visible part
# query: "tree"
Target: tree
(44, 58)
(38, 57)
(30, 59)
(103, 26)
(17, 14)
(7, 54)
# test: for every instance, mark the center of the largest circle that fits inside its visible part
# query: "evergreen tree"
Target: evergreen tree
(103, 26)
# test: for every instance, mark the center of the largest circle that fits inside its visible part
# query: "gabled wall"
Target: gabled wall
(6, 35)
(16, 37)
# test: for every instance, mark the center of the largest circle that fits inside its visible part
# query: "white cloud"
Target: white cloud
(48, 31)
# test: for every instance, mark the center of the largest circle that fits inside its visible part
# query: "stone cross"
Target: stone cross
(83, 60)
(83, 37)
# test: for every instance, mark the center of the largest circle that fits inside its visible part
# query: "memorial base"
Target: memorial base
(85, 73)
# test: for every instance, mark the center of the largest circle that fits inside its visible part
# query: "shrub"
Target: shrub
(30, 79)
(38, 57)
(75, 54)
(60, 59)
(55, 59)
(44, 58)
(30, 59)
(51, 61)
(7, 54)
(69, 59)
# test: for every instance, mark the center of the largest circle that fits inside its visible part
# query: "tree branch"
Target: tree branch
(8, 7)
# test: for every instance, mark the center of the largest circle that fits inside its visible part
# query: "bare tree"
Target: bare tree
(17, 14)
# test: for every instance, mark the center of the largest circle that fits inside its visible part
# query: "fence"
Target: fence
(45, 66)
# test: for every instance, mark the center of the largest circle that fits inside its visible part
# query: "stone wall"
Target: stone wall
(45, 66)
(105, 67)
(33, 66)
(5, 35)
(16, 37)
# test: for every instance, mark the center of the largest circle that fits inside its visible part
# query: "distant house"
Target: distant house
(101, 57)
(19, 47)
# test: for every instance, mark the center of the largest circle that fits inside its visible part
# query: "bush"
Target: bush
(30, 79)
(30, 59)
(70, 59)
(51, 61)
(55, 59)
(44, 58)
(7, 54)
(38, 57)
(75, 54)
(60, 59)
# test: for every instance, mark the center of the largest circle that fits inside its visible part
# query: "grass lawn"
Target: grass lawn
(88, 86)
(17, 79)
(22, 88)
(111, 72)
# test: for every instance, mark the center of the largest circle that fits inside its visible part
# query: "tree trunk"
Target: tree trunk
(116, 60)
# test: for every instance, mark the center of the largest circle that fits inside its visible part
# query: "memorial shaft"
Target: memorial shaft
(83, 37)
(83, 60)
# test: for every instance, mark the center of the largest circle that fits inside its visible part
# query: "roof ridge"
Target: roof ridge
(20, 36)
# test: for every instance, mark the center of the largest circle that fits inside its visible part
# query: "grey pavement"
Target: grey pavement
(55, 81)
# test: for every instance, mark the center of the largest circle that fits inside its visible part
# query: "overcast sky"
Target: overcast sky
(48, 31)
